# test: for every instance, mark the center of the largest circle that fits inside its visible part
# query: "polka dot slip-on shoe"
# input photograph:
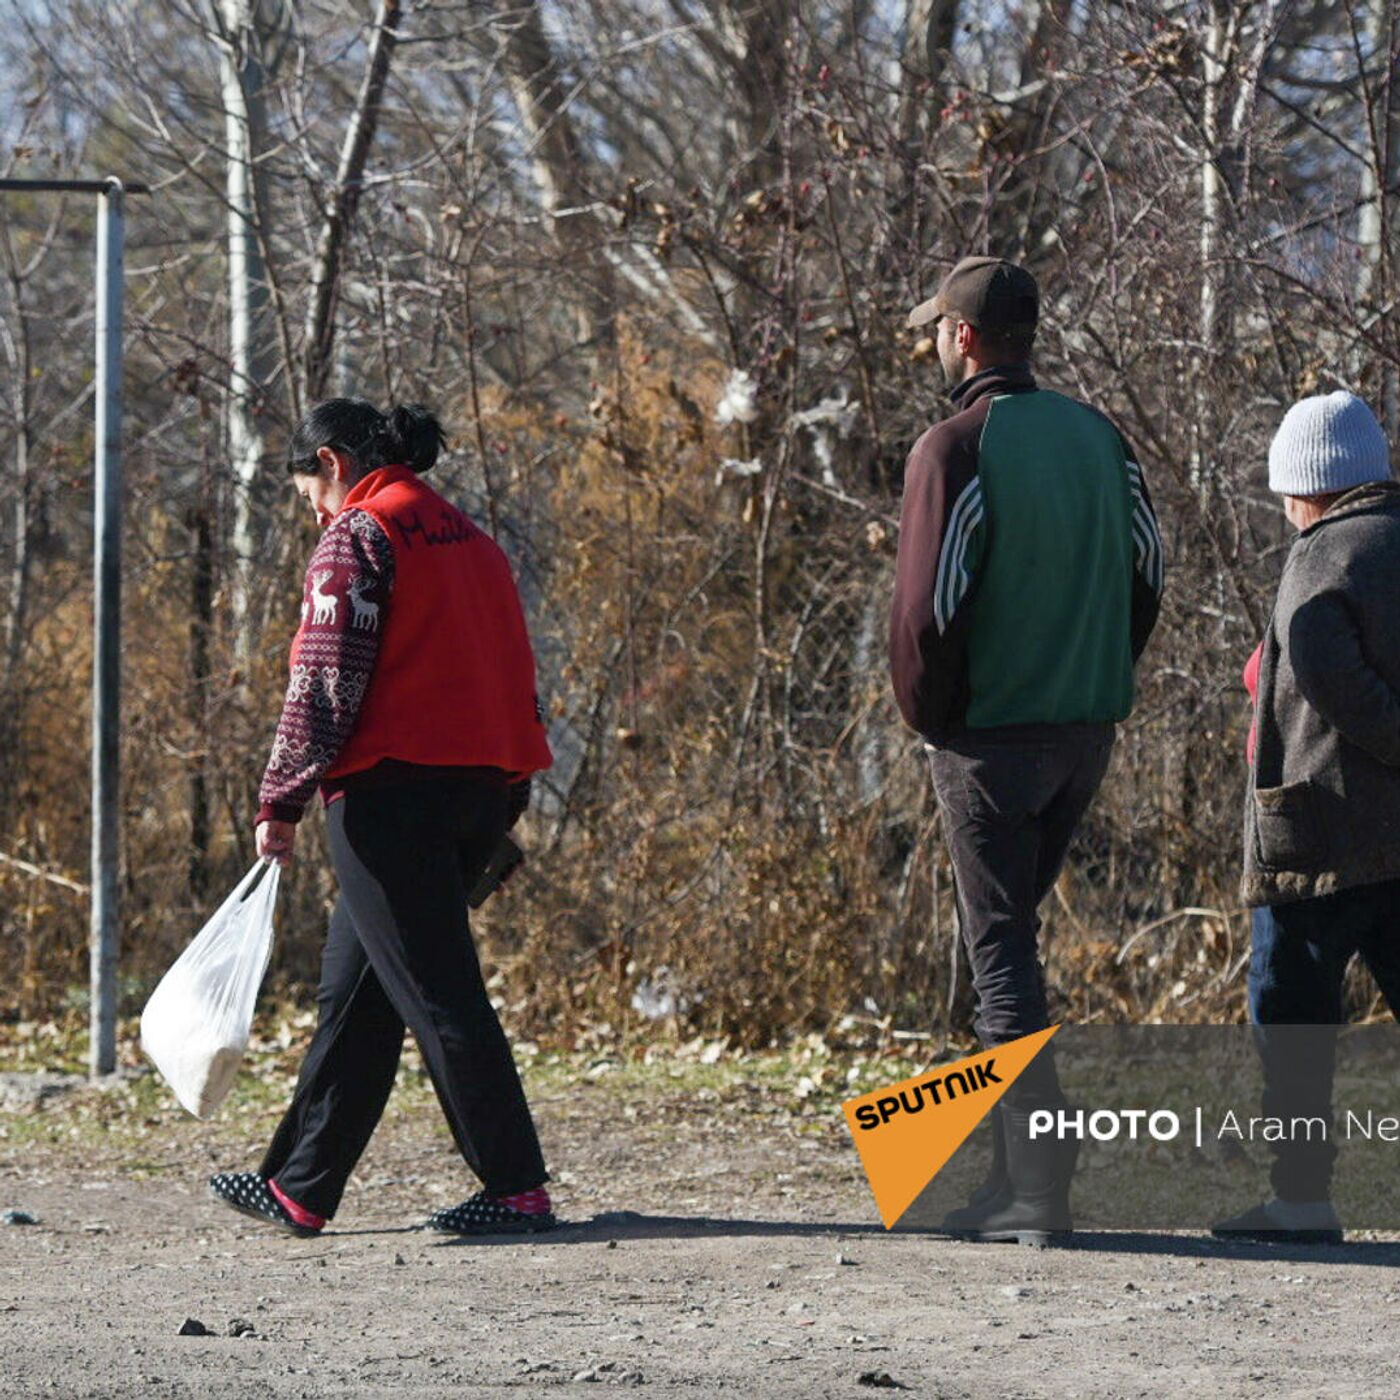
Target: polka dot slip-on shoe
(481, 1215)
(248, 1192)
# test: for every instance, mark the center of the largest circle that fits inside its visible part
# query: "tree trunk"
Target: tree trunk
(929, 27)
(18, 351)
(201, 627)
(1212, 203)
(756, 35)
(252, 347)
(21, 377)
(541, 98)
(1378, 224)
(344, 201)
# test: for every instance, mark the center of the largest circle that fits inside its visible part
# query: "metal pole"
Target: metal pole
(106, 651)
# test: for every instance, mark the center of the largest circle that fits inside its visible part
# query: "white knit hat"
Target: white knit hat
(1330, 442)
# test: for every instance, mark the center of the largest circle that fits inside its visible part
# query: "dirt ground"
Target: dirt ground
(720, 1241)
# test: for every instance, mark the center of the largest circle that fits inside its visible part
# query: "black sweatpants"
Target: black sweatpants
(400, 952)
(1010, 801)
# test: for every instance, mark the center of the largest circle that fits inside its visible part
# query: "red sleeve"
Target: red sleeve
(1251, 684)
(1251, 672)
(345, 601)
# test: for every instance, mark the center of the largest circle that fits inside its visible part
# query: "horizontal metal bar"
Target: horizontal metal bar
(72, 186)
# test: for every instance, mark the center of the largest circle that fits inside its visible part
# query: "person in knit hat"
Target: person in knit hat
(1322, 815)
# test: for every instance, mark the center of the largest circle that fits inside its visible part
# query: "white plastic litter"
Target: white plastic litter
(195, 1027)
(738, 400)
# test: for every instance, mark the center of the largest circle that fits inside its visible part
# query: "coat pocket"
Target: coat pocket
(1287, 832)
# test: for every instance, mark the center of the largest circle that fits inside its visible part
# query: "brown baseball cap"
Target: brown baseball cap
(990, 294)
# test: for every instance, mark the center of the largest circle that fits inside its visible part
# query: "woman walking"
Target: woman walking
(412, 708)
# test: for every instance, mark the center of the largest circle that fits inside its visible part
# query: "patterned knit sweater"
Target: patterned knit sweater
(345, 600)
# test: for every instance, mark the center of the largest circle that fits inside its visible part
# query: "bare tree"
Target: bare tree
(543, 98)
(1377, 55)
(929, 27)
(343, 200)
(250, 35)
(652, 263)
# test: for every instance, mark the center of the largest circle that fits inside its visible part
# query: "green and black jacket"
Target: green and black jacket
(1030, 564)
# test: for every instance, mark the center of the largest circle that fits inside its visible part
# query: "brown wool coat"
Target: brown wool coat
(1322, 811)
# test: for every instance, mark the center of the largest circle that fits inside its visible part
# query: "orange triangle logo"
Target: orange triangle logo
(907, 1131)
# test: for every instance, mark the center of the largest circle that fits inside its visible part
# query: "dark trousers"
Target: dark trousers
(1298, 960)
(1011, 800)
(399, 952)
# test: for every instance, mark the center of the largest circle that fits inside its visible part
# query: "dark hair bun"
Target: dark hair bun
(407, 436)
(413, 437)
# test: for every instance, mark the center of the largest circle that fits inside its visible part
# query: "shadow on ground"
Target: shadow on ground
(633, 1225)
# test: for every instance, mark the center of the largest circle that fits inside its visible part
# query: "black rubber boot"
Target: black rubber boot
(993, 1194)
(1040, 1169)
(1259, 1225)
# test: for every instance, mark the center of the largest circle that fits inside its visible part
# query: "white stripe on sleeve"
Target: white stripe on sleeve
(953, 580)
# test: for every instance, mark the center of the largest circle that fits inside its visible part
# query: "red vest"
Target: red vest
(454, 680)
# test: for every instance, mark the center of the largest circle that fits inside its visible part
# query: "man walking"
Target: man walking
(1028, 580)
(1322, 815)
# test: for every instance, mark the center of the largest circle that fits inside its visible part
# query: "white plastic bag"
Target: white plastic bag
(195, 1026)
